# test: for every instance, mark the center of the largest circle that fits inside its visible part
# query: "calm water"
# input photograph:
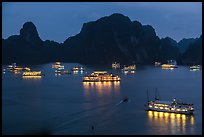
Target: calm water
(65, 105)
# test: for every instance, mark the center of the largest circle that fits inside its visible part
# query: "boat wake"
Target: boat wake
(123, 101)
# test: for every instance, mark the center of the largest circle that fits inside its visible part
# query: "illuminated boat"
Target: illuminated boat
(57, 65)
(157, 63)
(16, 69)
(21, 69)
(115, 65)
(168, 66)
(12, 66)
(101, 76)
(195, 67)
(77, 69)
(4, 71)
(129, 68)
(61, 71)
(32, 73)
(170, 106)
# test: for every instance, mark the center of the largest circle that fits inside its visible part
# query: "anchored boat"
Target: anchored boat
(129, 69)
(77, 69)
(115, 65)
(60, 71)
(195, 67)
(169, 66)
(57, 65)
(101, 76)
(169, 106)
(32, 74)
(156, 64)
(15, 69)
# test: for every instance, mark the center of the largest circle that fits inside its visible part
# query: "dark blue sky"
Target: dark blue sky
(59, 20)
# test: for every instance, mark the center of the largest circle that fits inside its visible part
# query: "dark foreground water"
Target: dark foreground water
(66, 105)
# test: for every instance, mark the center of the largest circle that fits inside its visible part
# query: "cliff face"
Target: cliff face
(27, 48)
(193, 54)
(185, 43)
(114, 38)
(108, 39)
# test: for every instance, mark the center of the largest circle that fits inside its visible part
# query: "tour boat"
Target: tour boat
(61, 71)
(77, 69)
(168, 66)
(57, 65)
(169, 106)
(101, 76)
(21, 69)
(195, 67)
(115, 65)
(129, 68)
(14, 68)
(32, 73)
(157, 63)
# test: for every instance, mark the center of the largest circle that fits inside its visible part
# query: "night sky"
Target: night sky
(59, 20)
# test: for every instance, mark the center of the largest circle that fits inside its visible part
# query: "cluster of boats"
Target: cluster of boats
(172, 64)
(104, 76)
(25, 71)
(17, 69)
(125, 69)
(59, 69)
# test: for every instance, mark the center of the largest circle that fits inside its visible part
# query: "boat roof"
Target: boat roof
(162, 102)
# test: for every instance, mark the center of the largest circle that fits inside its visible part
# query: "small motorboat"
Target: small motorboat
(126, 99)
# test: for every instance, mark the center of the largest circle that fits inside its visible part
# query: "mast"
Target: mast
(147, 96)
(156, 94)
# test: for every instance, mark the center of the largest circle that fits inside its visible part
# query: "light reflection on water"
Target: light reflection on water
(101, 87)
(73, 105)
(31, 77)
(170, 122)
(77, 72)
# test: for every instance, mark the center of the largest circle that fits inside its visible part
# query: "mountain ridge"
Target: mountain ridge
(108, 39)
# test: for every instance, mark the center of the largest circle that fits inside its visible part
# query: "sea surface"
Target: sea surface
(61, 105)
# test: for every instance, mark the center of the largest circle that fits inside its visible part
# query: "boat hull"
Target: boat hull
(189, 112)
(101, 80)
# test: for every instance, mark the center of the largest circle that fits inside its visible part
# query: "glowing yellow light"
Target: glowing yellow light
(150, 113)
(172, 115)
(178, 115)
(32, 73)
(30, 77)
(160, 114)
(155, 113)
(166, 114)
(192, 120)
(183, 116)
